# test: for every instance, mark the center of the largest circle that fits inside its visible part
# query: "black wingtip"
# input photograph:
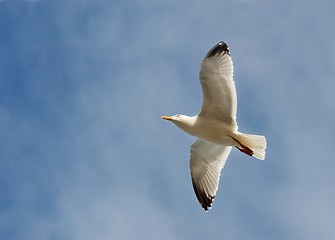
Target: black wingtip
(220, 47)
(204, 199)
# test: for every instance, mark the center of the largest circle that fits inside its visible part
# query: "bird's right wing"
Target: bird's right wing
(216, 78)
(207, 160)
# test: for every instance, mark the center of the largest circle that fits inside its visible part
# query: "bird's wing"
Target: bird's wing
(207, 160)
(216, 78)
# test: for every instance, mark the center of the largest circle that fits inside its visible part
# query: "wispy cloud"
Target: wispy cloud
(85, 155)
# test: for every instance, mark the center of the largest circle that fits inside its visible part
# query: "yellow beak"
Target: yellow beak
(167, 118)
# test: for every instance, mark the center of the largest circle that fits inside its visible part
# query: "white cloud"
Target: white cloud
(89, 157)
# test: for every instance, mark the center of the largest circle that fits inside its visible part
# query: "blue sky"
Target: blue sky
(85, 155)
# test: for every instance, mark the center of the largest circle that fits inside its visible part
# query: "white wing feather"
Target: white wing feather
(207, 160)
(216, 78)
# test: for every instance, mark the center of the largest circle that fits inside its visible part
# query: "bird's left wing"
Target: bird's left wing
(207, 160)
(218, 87)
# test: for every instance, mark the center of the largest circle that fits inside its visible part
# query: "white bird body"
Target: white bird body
(211, 130)
(215, 126)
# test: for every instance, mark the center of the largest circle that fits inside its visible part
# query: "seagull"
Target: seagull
(215, 127)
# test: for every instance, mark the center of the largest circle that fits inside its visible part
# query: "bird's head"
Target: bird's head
(174, 118)
(182, 121)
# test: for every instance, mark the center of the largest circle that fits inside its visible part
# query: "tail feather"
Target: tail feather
(256, 143)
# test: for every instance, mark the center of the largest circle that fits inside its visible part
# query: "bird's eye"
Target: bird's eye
(178, 115)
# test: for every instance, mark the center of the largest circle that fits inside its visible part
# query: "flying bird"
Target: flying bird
(215, 127)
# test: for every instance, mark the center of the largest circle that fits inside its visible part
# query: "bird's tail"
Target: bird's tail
(253, 145)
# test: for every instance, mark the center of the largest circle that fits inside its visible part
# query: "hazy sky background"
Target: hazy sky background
(84, 154)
